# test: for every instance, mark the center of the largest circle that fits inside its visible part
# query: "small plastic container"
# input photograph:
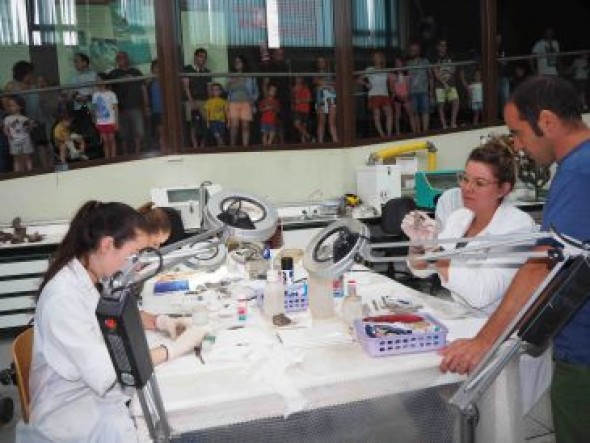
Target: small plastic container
(287, 270)
(402, 344)
(200, 312)
(242, 307)
(338, 287)
(274, 294)
(296, 299)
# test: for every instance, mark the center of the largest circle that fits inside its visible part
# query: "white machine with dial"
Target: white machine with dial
(188, 200)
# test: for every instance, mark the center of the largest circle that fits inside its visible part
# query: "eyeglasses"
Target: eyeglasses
(478, 183)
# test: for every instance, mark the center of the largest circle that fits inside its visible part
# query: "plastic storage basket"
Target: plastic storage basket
(296, 299)
(402, 344)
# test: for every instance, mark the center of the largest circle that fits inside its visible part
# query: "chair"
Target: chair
(22, 354)
(389, 229)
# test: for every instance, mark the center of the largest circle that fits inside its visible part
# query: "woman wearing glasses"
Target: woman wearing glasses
(480, 283)
(489, 176)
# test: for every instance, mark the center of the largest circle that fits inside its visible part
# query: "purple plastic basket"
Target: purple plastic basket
(295, 299)
(402, 344)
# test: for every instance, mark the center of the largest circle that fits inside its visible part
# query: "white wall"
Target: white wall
(281, 176)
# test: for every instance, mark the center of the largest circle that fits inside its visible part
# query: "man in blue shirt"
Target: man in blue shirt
(543, 115)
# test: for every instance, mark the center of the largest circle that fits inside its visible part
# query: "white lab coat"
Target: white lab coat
(449, 202)
(74, 397)
(481, 284)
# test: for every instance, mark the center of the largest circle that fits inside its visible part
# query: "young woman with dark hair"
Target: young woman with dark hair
(74, 394)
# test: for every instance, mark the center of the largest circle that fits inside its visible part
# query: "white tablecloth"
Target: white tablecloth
(271, 380)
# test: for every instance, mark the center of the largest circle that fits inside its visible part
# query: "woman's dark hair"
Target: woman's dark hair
(156, 219)
(549, 93)
(497, 154)
(94, 221)
(21, 69)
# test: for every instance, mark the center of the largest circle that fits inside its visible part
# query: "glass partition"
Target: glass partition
(416, 70)
(246, 74)
(257, 72)
(76, 82)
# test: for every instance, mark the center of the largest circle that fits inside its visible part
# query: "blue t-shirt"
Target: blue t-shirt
(568, 210)
(156, 96)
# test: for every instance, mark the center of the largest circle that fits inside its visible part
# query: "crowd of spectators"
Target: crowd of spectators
(262, 100)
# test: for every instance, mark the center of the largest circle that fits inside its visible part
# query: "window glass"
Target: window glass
(550, 44)
(78, 75)
(376, 41)
(249, 73)
(415, 69)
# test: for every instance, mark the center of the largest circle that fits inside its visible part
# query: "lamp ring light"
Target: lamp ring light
(334, 249)
(246, 217)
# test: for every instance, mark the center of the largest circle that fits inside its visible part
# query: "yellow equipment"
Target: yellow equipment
(378, 156)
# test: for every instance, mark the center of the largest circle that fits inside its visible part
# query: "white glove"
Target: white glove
(186, 342)
(417, 225)
(172, 326)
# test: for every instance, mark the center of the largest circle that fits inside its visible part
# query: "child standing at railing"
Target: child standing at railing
(269, 108)
(17, 129)
(106, 115)
(476, 96)
(216, 110)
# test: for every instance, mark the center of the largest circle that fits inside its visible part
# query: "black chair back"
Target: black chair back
(393, 212)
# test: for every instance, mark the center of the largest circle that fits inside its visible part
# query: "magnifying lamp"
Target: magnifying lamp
(334, 249)
(228, 215)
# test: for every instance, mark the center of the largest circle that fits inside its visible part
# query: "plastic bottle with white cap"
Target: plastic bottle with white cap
(274, 294)
(352, 306)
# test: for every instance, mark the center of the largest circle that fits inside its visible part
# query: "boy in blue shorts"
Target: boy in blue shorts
(216, 114)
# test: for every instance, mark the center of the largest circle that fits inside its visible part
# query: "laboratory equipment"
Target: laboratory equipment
(377, 157)
(190, 201)
(429, 185)
(376, 185)
(117, 311)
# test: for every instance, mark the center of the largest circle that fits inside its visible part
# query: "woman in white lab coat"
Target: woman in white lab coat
(74, 394)
(489, 176)
(480, 283)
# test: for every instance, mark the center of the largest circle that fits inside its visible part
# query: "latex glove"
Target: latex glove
(172, 326)
(186, 342)
(417, 225)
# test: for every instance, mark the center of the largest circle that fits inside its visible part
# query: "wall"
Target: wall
(281, 176)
